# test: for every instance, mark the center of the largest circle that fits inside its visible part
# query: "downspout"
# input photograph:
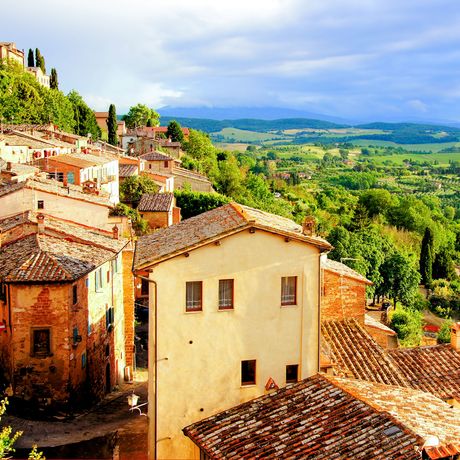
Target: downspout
(154, 316)
(11, 336)
(320, 303)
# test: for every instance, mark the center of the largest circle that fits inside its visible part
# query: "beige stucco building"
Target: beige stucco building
(234, 312)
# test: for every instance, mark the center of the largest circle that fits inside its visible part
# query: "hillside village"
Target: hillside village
(259, 344)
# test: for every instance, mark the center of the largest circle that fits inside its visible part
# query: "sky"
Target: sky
(355, 59)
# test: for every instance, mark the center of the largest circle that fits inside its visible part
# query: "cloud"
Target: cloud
(350, 58)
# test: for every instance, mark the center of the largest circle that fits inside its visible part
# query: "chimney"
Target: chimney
(115, 232)
(455, 336)
(8, 165)
(41, 223)
(308, 226)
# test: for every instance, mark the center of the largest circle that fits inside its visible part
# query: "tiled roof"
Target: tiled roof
(372, 322)
(422, 413)
(435, 369)
(9, 222)
(40, 258)
(204, 228)
(156, 202)
(57, 188)
(155, 156)
(342, 269)
(70, 160)
(10, 187)
(19, 169)
(314, 419)
(127, 170)
(20, 140)
(355, 353)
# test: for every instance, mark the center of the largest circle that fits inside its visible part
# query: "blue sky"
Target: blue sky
(357, 59)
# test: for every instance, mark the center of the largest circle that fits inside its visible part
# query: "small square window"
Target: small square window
(165, 164)
(292, 373)
(194, 295)
(248, 372)
(289, 290)
(225, 294)
(40, 204)
(41, 342)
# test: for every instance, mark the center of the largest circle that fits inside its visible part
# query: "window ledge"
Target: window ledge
(249, 385)
(226, 309)
(289, 305)
(193, 312)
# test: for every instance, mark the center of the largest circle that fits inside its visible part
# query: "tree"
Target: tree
(112, 125)
(54, 84)
(400, 279)
(39, 60)
(30, 58)
(141, 115)
(85, 120)
(194, 203)
(7, 438)
(175, 131)
(427, 257)
(408, 326)
(132, 189)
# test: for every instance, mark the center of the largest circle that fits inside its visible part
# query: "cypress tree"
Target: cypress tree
(39, 60)
(54, 79)
(112, 125)
(30, 58)
(175, 131)
(427, 257)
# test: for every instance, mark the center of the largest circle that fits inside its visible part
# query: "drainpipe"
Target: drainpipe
(153, 331)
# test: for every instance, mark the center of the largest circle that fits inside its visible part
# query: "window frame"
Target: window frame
(285, 303)
(40, 204)
(98, 280)
(291, 380)
(232, 300)
(193, 308)
(40, 354)
(74, 294)
(253, 363)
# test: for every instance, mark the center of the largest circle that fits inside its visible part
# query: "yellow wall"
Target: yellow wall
(196, 380)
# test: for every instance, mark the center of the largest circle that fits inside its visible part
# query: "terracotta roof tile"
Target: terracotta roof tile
(219, 222)
(156, 202)
(314, 418)
(435, 369)
(40, 258)
(127, 170)
(155, 156)
(356, 354)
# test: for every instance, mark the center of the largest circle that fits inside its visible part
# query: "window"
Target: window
(40, 204)
(165, 164)
(74, 294)
(41, 342)
(108, 276)
(292, 373)
(3, 292)
(144, 287)
(248, 372)
(288, 290)
(225, 294)
(98, 279)
(109, 318)
(115, 265)
(194, 291)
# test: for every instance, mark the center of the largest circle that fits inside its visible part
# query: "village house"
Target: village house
(51, 197)
(159, 210)
(173, 149)
(144, 138)
(9, 51)
(61, 310)
(344, 297)
(158, 162)
(184, 178)
(324, 417)
(81, 169)
(234, 311)
(40, 76)
(101, 120)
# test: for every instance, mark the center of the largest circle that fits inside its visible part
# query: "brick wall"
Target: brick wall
(128, 305)
(156, 219)
(342, 297)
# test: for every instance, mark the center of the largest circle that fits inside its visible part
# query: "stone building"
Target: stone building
(234, 311)
(61, 306)
(159, 209)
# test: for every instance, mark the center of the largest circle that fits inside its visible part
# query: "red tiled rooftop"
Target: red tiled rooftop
(156, 202)
(155, 156)
(217, 223)
(435, 369)
(356, 354)
(314, 419)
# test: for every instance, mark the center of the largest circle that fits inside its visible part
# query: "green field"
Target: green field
(435, 147)
(241, 135)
